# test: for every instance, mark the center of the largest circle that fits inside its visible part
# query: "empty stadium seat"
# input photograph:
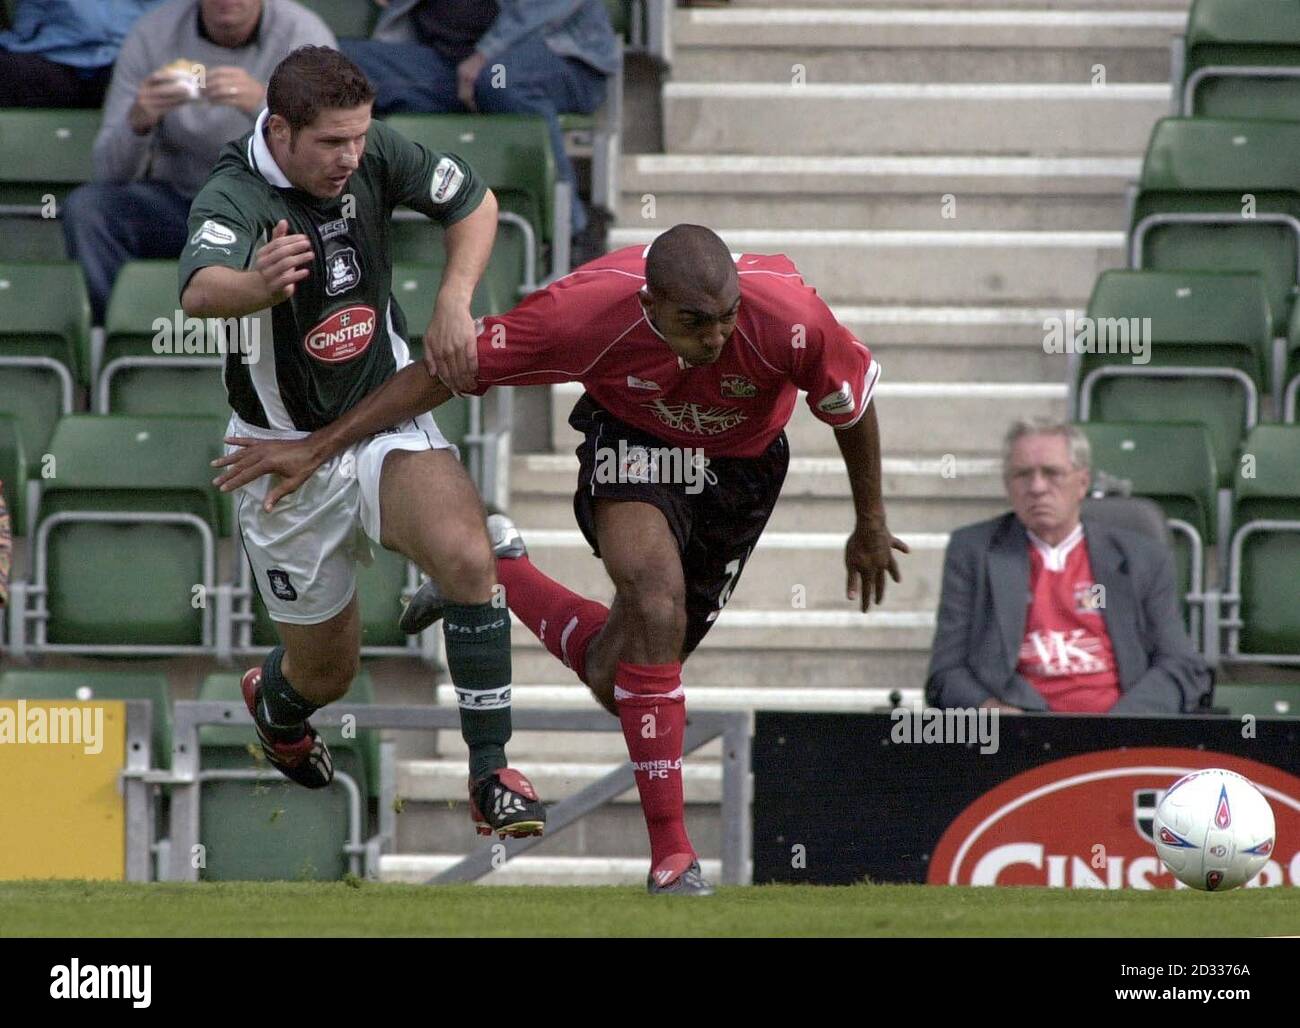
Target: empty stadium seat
(347, 19)
(142, 320)
(1209, 340)
(273, 830)
(1190, 210)
(1173, 465)
(50, 155)
(44, 347)
(100, 685)
(1263, 591)
(13, 472)
(1241, 58)
(123, 552)
(1269, 700)
(512, 153)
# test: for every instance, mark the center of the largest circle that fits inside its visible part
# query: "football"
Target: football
(1214, 830)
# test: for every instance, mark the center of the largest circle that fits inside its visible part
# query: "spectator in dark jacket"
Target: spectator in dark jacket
(546, 57)
(1043, 609)
(60, 53)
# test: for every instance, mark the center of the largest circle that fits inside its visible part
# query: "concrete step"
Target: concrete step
(784, 650)
(792, 570)
(950, 268)
(1057, 119)
(416, 868)
(936, 193)
(909, 45)
(443, 781)
(933, 418)
(921, 495)
(613, 830)
(958, 344)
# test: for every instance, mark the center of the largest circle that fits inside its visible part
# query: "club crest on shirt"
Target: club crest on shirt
(343, 271)
(738, 387)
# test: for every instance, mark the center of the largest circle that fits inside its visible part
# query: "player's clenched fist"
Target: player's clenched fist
(451, 347)
(283, 261)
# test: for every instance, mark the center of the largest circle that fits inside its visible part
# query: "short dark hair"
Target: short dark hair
(688, 257)
(313, 79)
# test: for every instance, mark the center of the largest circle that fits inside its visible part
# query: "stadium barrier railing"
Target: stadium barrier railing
(735, 728)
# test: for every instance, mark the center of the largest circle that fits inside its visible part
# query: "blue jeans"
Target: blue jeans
(107, 224)
(413, 79)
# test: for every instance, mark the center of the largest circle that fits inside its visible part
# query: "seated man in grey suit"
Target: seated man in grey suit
(1042, 610)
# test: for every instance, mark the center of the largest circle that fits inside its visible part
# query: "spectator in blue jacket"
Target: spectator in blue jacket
(60, 53)
(546, 57)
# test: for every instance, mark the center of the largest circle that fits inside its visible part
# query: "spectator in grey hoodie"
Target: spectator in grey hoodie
(190, 77)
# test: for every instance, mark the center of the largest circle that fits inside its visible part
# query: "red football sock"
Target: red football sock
(564, 621)
(652, 708)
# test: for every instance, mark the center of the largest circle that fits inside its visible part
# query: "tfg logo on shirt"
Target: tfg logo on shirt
(102, 981)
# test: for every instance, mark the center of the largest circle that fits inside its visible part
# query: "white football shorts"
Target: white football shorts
(304, 553)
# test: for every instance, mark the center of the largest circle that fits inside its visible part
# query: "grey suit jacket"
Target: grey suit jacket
(982, 611)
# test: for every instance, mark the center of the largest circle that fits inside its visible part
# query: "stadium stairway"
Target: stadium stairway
(947, 176)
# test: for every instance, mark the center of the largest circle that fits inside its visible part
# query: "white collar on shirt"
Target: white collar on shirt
(1054, 556)
(259, 155)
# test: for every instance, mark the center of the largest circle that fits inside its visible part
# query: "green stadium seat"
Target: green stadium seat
(135, 377)
(347, 19)
(13, 473)
(275, 830)
(1269, 700)
(44, 348)
(415, 288)
(109, 576)
(1209, 344)
(1173, 465)
(1241, 58)
(100, 685)
(512, 153)
(55, 147)
(1263, 590)
(1188, 210)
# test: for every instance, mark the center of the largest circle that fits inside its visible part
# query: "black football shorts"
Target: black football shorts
(716, 512)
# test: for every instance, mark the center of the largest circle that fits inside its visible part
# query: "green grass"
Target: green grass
(371, 909)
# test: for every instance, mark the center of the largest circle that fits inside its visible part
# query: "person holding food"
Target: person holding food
(191, 76)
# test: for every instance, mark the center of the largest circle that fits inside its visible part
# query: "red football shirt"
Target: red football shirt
(589, 327)
(1066, 653)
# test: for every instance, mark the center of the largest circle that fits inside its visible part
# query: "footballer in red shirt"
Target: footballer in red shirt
(692, 359)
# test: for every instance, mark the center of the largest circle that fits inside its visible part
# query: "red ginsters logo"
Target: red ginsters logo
(1086, 822)
(343, 335)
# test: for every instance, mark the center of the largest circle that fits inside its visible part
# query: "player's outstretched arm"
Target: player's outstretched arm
(408, 393)
(220, 292)
(868, 554)
(450, 342)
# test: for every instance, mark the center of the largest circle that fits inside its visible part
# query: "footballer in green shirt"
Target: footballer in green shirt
(290, 238)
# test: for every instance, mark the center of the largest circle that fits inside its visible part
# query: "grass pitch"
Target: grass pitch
(373, 909)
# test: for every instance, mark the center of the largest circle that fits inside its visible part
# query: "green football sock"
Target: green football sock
(478, 657)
